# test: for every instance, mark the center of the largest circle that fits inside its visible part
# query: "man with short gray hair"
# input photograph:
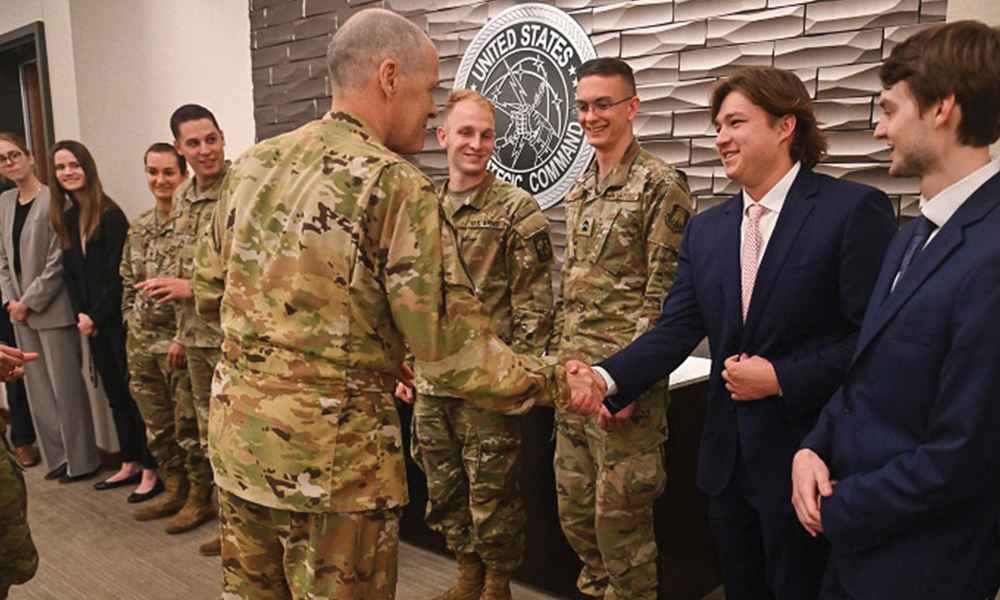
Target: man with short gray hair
(328, 256)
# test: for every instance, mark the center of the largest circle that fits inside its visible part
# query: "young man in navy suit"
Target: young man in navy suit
(778, 278)
(902, 472)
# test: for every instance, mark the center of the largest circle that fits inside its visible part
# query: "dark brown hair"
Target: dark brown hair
(18, 141)
(960, 58)
(190, 112)
(91, 200)
(607, 65)
(165, 148)
(779, 93)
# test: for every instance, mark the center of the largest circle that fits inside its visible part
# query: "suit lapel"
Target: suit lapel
(729, 251)
(792, 217)
(948, 239)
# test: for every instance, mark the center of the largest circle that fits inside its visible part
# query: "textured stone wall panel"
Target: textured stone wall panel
(656, 68)
(725, 60)
(678, 49)
(666, 38)
(828, 50)
(849, 15)
(750, 27)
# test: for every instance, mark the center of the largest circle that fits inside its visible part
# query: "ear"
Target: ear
(177, 146)
(442, 138)
(633, 108)
(222, 136)
(786, 127)
(388, 77)
(945, 110)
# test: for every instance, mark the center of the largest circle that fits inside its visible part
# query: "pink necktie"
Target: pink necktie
(751, 253)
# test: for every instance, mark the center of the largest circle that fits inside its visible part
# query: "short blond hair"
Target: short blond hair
(456, 96)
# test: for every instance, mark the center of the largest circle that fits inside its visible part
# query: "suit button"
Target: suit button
(848, 408)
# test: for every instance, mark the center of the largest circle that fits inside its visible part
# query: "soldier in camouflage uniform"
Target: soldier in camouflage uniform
(328, 257)
(198, 138)
(624, 221)
(158, 376)
(18, 558)
(472, 456)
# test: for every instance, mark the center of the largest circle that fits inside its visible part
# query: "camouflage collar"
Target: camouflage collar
(211, 192)
(355, 123)
(618, 176)
(478, 200)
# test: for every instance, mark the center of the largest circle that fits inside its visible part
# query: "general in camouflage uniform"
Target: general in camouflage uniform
(624, 231)
(18, 557)
(163, 393)
(329, 256)
(472, 456)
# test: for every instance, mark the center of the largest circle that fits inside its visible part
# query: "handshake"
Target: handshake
(587, 392)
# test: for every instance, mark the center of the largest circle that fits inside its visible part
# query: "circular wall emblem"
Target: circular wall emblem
(525, 61)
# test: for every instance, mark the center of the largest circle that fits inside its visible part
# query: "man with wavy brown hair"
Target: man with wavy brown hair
(902, 472)
(778, 278)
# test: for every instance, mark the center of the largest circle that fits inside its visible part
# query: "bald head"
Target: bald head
(368, 39)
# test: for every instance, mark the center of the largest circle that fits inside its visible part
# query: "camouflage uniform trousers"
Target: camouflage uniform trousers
(606, 496)
(18, 557)
(164, 398)
(472, 460)
(201, 367)
(271, 554)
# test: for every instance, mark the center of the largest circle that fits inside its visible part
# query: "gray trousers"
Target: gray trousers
(57, 395)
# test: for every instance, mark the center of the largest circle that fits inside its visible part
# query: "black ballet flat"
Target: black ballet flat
(56, 473)
(110, 485)
(67, 478)
(136, 497)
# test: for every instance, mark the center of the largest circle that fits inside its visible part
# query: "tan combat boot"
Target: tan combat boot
(471, 572)
(497, 586)
(200, 508)
(177, 494)
(212, 547)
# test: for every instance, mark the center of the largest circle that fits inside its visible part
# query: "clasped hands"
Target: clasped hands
(588, 390)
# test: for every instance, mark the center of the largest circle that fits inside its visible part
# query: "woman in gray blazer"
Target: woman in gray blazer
(31, 280)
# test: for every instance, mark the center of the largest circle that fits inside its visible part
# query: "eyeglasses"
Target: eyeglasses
(601, 106)
(13, 157)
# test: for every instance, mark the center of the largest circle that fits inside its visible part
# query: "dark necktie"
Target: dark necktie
(923, 231)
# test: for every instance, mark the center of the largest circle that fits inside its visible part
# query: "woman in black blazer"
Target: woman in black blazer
(92, 231)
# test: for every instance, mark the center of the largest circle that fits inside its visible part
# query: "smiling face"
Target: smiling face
(753, 144)
(907, 131)
(607, 128)
(203, 146)
(68, 171)
(163, 175)
(468, 135)
(15, 164)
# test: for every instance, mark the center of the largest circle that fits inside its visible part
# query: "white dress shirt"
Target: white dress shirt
(773, 200)
(941, 207)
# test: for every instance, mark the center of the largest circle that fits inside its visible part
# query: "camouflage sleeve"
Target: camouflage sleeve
(667, 210)
(128, 278)
(529, 276)
(209, 281)
(432, 302)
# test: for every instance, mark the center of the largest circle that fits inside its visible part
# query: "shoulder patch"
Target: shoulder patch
(543, 246)
(677, 219)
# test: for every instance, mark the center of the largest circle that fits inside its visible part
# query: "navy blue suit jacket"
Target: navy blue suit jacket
(809, 299)
(913, 436)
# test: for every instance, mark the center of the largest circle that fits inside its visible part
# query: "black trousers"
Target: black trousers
(108, 353)
(22, 430)
(764, 554)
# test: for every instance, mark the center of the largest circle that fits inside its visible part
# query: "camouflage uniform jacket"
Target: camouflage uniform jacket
(623, 237)
(150, 252)
(195, 208)
(506, 245)
(329, 255)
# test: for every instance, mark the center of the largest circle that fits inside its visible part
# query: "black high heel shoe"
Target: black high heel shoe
(56, 473)
(136, 497)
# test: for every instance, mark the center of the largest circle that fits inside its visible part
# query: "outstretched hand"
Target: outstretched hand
(12, 362)
(587, 388)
